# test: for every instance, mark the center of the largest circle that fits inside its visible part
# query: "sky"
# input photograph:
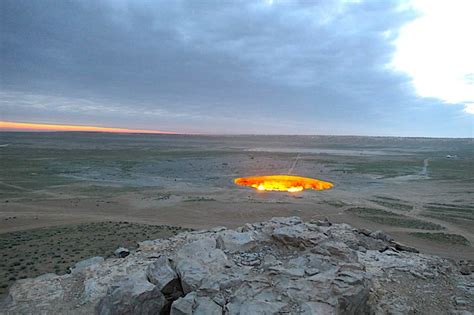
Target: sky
(396, 68)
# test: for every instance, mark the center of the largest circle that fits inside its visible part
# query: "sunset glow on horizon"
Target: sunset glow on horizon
(19, 126)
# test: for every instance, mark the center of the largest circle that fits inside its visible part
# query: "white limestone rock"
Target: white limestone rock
(282, 265)
(232, 241)
(163, 276)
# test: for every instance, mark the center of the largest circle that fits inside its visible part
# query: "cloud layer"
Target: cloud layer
(219, 67)
(436, 51)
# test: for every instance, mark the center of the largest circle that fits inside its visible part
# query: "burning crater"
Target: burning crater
(287, 183)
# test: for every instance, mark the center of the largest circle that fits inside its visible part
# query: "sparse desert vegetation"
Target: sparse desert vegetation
(443, 238)
(393, 219)
(392, 203)
(461, 214)
(450, 210)
(368, 212)
(405, 222)
(34, 252)
(198, 198)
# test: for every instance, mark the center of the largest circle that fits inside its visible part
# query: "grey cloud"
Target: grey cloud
(33, 107)
(211, 66)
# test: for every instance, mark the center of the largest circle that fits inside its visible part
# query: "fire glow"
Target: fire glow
(17, 126)
(287, 183)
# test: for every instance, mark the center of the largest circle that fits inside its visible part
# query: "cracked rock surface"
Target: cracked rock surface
(282, 265)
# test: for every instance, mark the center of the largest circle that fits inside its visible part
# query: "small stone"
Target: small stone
(460, 302)
(121, 252)
(183, 305)
(324, 222)
(466, 267)
(380, 235)
(365, 232)
(418, 275)
(404, 248)
(311, 271)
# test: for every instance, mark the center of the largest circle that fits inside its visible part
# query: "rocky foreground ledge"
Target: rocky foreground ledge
(279, 266)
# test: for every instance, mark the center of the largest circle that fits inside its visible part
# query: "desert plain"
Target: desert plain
(68, 196)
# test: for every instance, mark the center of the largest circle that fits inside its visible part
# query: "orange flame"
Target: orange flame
(17, 126)
(287, 183)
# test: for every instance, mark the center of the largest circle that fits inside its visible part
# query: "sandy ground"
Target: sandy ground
(229, 208)
(181, 184)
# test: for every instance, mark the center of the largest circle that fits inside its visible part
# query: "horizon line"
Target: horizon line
(43, 127)
(11, 126)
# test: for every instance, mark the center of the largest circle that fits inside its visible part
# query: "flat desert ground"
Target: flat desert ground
(68, 196)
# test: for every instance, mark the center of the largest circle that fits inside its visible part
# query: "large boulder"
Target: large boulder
(299, 235)
(233, 241)
(161, 274)
(197, 261)
(132, 296)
